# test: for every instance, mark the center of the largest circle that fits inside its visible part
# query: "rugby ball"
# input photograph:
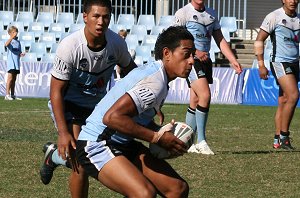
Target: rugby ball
(182, 131)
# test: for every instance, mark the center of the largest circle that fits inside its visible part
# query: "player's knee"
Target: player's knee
(293, 97)
(147, 191)
(181, 189)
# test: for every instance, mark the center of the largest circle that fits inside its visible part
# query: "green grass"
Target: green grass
(245, 165)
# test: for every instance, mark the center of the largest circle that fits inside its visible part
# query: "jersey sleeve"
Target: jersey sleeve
(268, 24)
(179, 19)
(62, 67)
(124, 57)
(143, 96)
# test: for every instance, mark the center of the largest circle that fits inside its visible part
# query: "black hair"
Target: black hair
(170, 38)
(89, 3)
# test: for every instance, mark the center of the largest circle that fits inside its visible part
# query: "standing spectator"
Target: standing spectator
(283, 25)
(14, 53)
(202, 23)
(106, 146)
(83, 66)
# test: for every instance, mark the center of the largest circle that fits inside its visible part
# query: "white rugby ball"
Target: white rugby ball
(182, 131)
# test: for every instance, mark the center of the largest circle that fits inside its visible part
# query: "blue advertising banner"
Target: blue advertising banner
(259, 92)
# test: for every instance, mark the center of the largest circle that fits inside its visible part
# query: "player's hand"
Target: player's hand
(174, 145)
(65, 142)
(237, 67)
(202, 56)
(263, 72)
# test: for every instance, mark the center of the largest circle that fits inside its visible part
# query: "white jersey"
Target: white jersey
(285, 32)
(87, 71)
(200, 23)
(146, 85)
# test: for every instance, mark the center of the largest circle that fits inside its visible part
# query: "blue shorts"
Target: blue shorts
(92, 156)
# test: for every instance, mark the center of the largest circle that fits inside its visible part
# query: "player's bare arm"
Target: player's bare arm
(65, 139)
(225, 49)
(120, 119)
(259, 52)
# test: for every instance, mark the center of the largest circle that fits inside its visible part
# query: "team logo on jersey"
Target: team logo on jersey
(98, 57)
(283, 21)
(83, 63)
(111, 59)
(212, 18)
(195, 17)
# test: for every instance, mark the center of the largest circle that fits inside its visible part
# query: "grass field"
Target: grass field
(245, 165)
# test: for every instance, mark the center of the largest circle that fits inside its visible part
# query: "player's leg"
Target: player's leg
(162, 175)
(105, 161)
(78, 181)
(8, 86)
(289, 85)
(13, 84)
(278, 114)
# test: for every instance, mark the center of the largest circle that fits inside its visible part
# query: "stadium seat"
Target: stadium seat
(66, 18)
(53, 47)
(156, 30)
(48, 38)
(117, 27)
(229, 23)
(46, 18)
(25, 17)
(166, 20)
(27, 38)
(127, 20)
(139, 60)
(139, 30)
(29, 57)
(4, 36)
(48, 57)
(57, 28)
(3, 56)
(150, 40)
(2, 47)
(75, 26)
(147, 20)
(23, 48)
(6, 17)
(1, 26)
(143, 51)
(37, 28)
(38, 48)
(226, 34)
(18, 24)
(132, 41)
(79, 18)
(112, 19)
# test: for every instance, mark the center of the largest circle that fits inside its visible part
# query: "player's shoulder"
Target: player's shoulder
(71, 41)
(113, 37)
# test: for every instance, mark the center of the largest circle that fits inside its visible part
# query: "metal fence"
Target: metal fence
(157, 8)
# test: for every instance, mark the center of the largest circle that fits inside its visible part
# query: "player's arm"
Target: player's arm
(65, 139)
(226, 50)
(259, 52)
(125, 70)
(119, 117)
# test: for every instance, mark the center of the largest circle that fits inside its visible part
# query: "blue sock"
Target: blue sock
(190, 118)
(201, 119)
(57, 159)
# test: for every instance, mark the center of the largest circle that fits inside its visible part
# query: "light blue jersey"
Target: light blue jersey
(13, 55)
(147, 86)
(88, 71)
(200, 24)
(285, 33)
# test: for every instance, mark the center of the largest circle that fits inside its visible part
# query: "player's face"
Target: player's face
(290, 5)
(97, 20)
(182, 59)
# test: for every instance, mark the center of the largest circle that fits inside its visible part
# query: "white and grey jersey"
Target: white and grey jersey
(87, 71)
(284, 31)
(146, 85)
(200, 23)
